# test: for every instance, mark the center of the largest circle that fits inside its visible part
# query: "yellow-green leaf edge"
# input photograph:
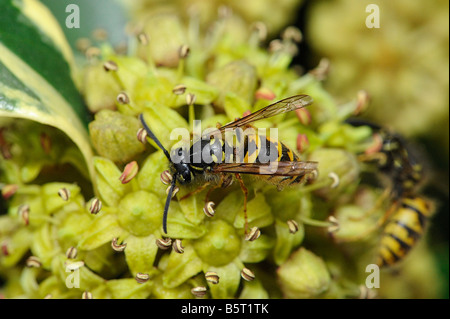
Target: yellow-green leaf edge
(36, 73)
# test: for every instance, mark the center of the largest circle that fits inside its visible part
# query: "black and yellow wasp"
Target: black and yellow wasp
(405, 222)
(229, 160)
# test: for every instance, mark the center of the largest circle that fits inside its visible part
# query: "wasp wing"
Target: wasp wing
(286, 105)
(270, 168)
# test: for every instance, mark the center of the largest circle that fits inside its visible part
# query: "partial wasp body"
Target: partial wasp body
(403, 230)
(396, 160)
(405, 221)
(403, 169)
(215, 159)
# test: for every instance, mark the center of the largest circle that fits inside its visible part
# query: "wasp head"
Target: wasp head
(180, 165)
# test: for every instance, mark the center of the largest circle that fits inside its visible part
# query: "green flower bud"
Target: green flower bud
(237, 77)
(149, 176)
(258, 213)
(108, 181)
(140, 253)
(53, 201)
(220, 246)
(286, 241)
(345, 136)
(303, 275)
(257, 250)
(353, 224)
(44, 245)
(99, 88)
(204, 93)
(102, 230)
(161, 291)
(114, 136)
(140, 213)
(166, 35)
(181, 267)
(230, 278)
(358, 220)
(338, 170)
(15, 247)
(253, 290)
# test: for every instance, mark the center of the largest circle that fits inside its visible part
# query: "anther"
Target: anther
(110, 66)
(334, 224)
(212, 277)
(164, 244)
(123, 98)
(208, 209)
(190, 99)
(64, 193)
(142, 38)
(24, 212)
(141, 135)
(253, 234)
(87, 295)
(72, 253)
(335, 179)
(247, 274)
(179, 89)
(166, 177)
(199, 291)
(177, 246)
(293, 226)
(129, 172)
(96, 206)
(184, 51)
(142, 278)
(116, 246)
(33, 262)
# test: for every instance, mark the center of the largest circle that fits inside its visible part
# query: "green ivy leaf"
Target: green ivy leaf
(37, 71)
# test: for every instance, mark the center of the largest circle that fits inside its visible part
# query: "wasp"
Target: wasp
(406, 219)
(226, 161)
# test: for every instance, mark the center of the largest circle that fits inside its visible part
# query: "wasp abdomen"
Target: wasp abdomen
(403, 230)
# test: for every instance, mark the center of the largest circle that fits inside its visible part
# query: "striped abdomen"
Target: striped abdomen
(403, 230)
(260, 148)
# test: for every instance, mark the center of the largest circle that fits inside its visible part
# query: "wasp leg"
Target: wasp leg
(225, 181)
(245, 191)
(378, 157)
(196, 191)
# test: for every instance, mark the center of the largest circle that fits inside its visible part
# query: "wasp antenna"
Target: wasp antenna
(169, 198)
(152, 136)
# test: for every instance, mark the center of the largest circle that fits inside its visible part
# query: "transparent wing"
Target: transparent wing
(286, 105)
(271, 168)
